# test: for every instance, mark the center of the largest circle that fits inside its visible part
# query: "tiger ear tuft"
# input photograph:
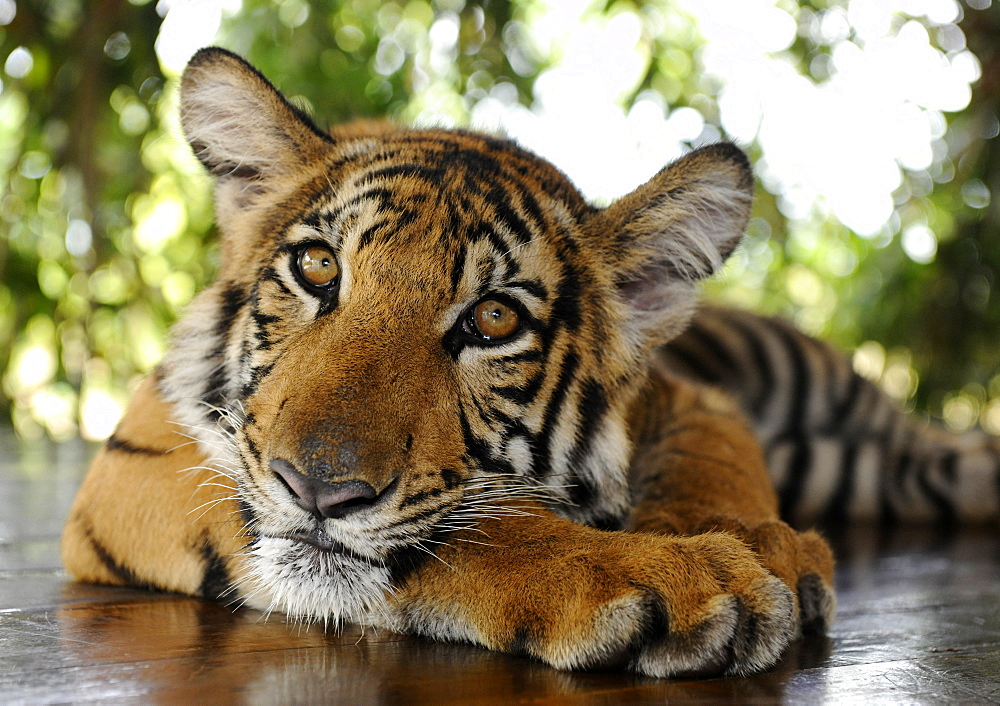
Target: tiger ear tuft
(671, 232)
(238, 124)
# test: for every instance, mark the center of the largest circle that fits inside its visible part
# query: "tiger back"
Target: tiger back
(423, 393)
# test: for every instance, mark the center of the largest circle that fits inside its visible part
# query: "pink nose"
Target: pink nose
(323, 499)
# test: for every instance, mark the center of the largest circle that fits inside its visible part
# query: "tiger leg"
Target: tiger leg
(700, 469)
(578, 598)
(151, 512)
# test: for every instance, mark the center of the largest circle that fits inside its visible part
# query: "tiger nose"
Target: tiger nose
(323, 499)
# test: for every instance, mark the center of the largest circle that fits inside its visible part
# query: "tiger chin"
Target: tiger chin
(423, 393)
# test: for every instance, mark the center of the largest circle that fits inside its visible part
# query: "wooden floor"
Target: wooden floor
(918, 621)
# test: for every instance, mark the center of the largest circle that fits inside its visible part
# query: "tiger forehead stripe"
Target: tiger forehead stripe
(329, 221)
(460, 221)
(498, 179)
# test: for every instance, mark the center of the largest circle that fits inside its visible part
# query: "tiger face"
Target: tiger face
(414, 329)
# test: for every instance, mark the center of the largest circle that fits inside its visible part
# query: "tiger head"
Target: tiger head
(411, 328)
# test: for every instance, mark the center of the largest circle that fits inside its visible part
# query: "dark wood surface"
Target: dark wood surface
(918, 621)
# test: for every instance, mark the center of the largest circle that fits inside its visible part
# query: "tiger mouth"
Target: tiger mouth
(317, 538)
(321, 545)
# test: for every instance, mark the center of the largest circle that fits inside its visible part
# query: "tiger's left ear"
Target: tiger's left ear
(671, 232)
(244, 131)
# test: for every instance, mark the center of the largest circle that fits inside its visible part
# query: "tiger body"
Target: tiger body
(837, 447)
(428, 391)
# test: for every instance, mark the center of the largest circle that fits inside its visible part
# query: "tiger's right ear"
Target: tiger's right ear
(239, 125)
(679, 227)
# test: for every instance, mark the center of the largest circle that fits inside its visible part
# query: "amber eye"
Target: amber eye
(494, 320)
(318, 266)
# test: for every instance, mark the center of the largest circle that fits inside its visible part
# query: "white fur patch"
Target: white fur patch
(315, 585)
(518, 453)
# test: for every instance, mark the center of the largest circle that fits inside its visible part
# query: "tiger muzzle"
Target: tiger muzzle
(340, 436)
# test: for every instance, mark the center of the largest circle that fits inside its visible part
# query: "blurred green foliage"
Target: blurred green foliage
(106, 218)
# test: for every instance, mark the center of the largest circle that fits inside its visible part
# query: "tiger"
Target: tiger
(434, 390)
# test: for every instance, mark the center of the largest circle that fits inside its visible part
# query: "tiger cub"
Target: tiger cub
(428, 392)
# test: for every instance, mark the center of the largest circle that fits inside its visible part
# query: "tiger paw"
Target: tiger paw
(802, 560)
(660, 606)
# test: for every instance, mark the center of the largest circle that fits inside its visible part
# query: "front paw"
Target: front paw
(802, 560)
(660, 606)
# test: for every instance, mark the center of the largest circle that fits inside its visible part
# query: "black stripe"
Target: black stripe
(566, 306)
(844, 407)
(269, 274)
(420, 497)
(232, 299)
(256, 376)
(567, 376)
(607, 522)
(507, 214)
(790, 493)
(314, 220)
(114, 443)
(486, 417)
(475, 447)
(383, 197)
(263, 322)
(512, 426)
(692, 366)
(726, 366)
(215, 582)
(522, 394)
(592, 407)
(835, 512)
(713, 366)
(532, 355)
(945, 506)
(530, 204)
(828, 374)
(949, 468)
(762, 370)
(252, 448)
(115, 568)
(365, 239)
(406, 561)
(215, 392)
(533, 287)
(801, 385)
(246, 512)
(503, 249)
(582, 492)
(893, 478)
(452, 479)
(458, 267)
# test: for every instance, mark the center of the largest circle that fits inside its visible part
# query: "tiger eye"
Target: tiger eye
(318, 266)
(493, 319)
